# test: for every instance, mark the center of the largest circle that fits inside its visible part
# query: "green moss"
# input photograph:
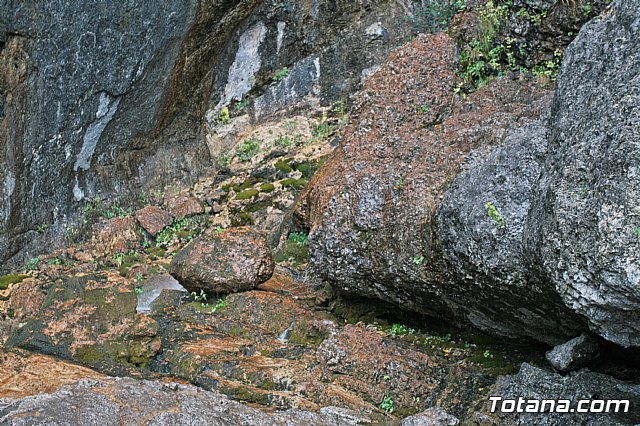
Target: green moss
(283, 166)
(249, 193)
(296, 184)
(6, 280)
(295, 253)
(242, 219)
(245, 394)
(267, 187)
(308, 169)
(255, 207)
(156, 251)
(248, 183)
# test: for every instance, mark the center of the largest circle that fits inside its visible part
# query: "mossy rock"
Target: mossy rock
(255, 207)
(283, 166)
(296, 184)
(7, 280)
(308, 169)
(267, 187)
(249, 193)
(156, 251)
(242, 219)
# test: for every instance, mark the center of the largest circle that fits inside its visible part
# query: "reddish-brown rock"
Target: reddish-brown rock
(117, 235)
(153, 219)
(183, 205)
(235, 260)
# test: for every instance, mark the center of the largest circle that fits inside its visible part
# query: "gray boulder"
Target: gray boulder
(131, 402)
(482, 219)
(431, 417)
(583, 234)
(534, 383)
(574, 354)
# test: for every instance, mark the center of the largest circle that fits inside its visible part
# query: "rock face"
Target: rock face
(235, 260)
(97, 102)
(126, 401)
(583, 232)
(503, 209)
(535, 383)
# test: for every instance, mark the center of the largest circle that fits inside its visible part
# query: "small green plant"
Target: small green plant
(430, 340)
(322, 130)
(221, 304)
(185, 229)
(418, 260)
(299, 238)
(119, 259)
(548, 70)
(223, 116)
(400, 330)
(587, 9)
(424, 109)
(32, 264)
(433, 16)
(42, 228)
(493, 213)
(487, 354)
(201, 298)
(480, 60)
(219, 229)
(224, 160)
(281, 74)
(240, 106)
(248, 149)
(388, 404)
(138, 290)
(284, 141)
(54, 261)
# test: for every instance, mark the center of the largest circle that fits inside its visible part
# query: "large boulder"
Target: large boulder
(504, 209)
(584, 229)
(127, 401)
(481, 220)
(234, 260)
(534, 383)
(381, 222)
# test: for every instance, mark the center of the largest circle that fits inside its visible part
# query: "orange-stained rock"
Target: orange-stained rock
(153, 219)
(183, 205)
(23, 374)
(117, 235)
(235, 260)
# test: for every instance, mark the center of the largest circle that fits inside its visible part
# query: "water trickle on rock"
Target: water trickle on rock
(152, 288)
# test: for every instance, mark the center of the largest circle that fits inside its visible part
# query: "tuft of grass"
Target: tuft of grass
(493, 213)
(248, 149)
(281, 74)
(267, 187)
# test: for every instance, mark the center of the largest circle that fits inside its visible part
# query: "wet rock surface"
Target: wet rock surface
(227, 262)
